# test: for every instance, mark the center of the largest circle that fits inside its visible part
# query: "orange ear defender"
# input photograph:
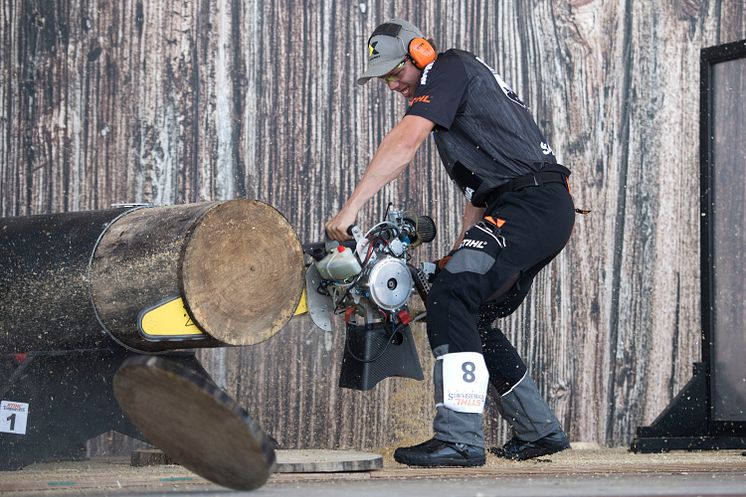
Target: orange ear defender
(421, 52)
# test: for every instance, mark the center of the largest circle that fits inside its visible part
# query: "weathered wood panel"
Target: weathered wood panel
(181, 101)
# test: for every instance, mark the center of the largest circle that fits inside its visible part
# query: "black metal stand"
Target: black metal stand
(686, 423)
(70, 399)
(373, 353)
(709, 413)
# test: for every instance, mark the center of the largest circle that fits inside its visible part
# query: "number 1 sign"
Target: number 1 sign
(13, 417)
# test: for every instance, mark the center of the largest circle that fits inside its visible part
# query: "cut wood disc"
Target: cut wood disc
(290, 461)
(242, 272)
(194, 422)
(326, 461)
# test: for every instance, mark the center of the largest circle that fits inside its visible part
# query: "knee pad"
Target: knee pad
(461, 381)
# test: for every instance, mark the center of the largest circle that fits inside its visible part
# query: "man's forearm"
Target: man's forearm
(391, 158)
(394, 153)
(472, 215)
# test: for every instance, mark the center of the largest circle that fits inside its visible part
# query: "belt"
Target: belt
(527, 181)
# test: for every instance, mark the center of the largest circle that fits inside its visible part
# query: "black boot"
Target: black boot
(536, 430)
(435, 452)
(520, 450)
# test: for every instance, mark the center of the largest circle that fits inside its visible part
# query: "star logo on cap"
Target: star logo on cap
(372, 49)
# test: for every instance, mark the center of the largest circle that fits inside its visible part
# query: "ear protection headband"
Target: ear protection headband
(420, 51)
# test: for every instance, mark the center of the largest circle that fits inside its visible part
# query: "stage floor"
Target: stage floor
(583, 471)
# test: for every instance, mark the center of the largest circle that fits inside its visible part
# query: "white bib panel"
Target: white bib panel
(465, 381)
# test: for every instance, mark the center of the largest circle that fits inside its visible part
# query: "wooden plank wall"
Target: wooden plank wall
(175, 101)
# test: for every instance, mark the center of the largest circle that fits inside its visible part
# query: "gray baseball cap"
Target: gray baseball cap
(387, 47)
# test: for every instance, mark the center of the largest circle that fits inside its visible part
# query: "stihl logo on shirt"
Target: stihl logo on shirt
(425, 99)
(469, 243)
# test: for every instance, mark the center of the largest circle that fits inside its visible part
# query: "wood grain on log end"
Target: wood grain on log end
(194, 422)
(242, 272)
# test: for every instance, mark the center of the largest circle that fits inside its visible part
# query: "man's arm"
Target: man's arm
(394, 154)
(472, 215)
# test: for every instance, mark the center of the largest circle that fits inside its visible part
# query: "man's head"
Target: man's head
(397, 53)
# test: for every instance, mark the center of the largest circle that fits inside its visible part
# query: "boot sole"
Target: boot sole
(528, 454)
(443, 463)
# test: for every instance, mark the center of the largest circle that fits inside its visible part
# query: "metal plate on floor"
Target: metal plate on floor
(194, 422)
(326, 461)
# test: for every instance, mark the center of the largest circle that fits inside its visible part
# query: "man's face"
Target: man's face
(403, 78)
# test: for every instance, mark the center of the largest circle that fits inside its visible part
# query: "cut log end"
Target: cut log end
(242, 272)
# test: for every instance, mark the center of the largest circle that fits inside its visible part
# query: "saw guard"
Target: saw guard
(319, 306)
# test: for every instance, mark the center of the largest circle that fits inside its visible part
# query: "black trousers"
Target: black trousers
(491, 273)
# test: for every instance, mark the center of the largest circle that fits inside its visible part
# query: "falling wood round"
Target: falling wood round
(242, 272)
(194, 422)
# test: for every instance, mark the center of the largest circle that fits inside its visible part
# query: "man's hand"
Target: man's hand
(336, 227)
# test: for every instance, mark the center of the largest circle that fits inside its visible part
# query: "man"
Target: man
(518, 217)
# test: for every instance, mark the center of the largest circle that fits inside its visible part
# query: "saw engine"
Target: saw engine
(369, 281)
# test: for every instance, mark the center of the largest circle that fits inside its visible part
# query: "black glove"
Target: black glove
(439, 264)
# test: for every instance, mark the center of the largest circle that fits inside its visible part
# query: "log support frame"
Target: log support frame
(70, 401)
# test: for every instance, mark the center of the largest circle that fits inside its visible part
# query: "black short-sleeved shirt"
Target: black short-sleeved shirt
(484, 133)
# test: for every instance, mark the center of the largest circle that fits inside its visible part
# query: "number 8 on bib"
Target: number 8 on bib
(465, 381)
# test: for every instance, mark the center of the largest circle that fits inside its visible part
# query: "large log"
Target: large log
(226, 273)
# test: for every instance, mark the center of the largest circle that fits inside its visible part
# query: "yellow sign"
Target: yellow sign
(302, 305)
(168, 320)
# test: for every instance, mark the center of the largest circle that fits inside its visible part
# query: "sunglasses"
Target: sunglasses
(394, 73)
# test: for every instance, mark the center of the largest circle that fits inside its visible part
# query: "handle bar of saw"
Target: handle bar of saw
(318, 250)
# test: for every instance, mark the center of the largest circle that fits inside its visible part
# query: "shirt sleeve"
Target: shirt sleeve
(440, 93)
